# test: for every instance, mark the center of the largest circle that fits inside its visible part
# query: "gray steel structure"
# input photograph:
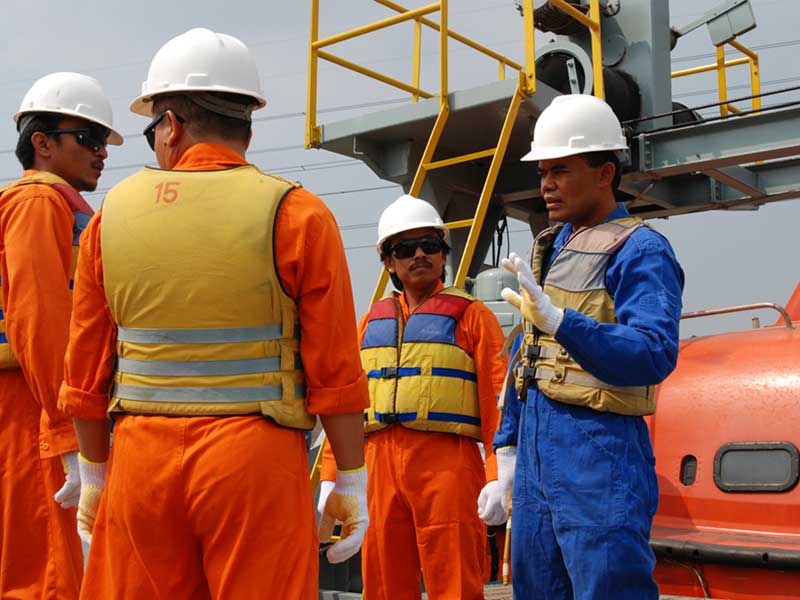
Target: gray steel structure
(740, 162)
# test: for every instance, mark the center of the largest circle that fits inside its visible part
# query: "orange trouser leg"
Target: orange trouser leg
(389, 560)
(204, 508)
(444, 474)
(250, 504)
(40, 553)
(437, 477)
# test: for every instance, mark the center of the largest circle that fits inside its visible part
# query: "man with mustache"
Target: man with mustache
(432, 358)
(601, 303)
(209, 302)
(64, 124)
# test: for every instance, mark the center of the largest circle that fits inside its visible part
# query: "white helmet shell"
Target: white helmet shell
(200, 60)
(407, 213)
(72, 95)
(575, 124)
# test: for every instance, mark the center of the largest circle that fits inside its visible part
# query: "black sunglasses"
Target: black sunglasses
(150, 131)
(408, 248)
(89, 137)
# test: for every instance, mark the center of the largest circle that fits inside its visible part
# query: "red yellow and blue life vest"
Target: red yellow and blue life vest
(81, 211)
(204, 326)
(418, 375)
(576, 280)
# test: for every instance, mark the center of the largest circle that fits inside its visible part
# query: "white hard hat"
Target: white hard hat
(575, 124)
(73, 95)
(406, 213)
(200, 60)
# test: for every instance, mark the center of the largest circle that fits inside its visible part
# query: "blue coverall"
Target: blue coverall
(585, 488)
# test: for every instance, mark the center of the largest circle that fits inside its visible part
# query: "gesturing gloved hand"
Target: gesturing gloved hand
(533, 303)
(93, 479)
(70, 492)
(347, 502)
(495, 495)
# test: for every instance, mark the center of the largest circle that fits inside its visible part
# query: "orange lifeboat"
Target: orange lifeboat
(726, 434)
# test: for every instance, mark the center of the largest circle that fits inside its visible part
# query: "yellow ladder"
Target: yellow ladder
(427, 164)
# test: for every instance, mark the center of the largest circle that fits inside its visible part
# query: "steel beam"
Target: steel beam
(730, 142)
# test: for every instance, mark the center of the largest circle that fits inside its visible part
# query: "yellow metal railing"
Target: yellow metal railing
(525, 87)
(593, 23)
(721, 66)
(418, 16)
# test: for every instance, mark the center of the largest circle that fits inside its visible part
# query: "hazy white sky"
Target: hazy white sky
(729, 258)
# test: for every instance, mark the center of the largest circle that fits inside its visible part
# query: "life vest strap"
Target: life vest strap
(392, 418)
(396, 372)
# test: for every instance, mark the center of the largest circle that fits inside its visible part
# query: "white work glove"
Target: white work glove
(70, 492)
(347, 503)
(325, 488)
(495, 496)
(93, 481)
(533, 303)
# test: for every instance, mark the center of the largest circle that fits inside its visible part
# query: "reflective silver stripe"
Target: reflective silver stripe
(589, 381)
(203, 394)
(199, 336)
(177, 368)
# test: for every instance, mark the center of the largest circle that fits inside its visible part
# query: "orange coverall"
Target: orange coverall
(40, 555)
(422, 490)
(208, 507)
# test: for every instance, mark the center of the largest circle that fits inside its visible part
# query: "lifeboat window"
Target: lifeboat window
(688, 469)
(756, 467)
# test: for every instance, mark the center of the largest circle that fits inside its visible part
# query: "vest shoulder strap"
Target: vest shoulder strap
(605, 238)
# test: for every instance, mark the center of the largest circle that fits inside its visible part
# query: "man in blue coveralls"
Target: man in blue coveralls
(601, 302)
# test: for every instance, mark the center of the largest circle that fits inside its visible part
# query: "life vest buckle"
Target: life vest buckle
(532, 351)
(387, 418)
(388, 373)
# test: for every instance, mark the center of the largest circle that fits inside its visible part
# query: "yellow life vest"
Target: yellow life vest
(418, 375)
(204, 326)
(71, 196)
(576, 280)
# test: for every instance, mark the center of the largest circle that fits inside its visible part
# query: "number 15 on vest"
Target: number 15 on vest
(167, 192)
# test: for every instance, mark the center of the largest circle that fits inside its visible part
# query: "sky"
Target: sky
(729, 258)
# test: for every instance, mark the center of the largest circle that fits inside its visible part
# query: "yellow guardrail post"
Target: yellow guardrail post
(312, 130)
(722, 81)
(755, 75)
(443, 52)
(597, 50)
(530, 51)
(417, 56)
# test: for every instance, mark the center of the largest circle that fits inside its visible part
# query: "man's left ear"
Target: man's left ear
(606, 173)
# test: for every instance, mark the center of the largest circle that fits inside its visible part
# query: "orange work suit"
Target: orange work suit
(423, 487)
(40, 555)
(207, 507)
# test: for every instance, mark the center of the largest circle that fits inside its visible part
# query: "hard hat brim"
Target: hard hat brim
(143, 105)
(114, 138)
(552, 152)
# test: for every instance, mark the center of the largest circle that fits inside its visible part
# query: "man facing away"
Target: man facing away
(208, 298)
(64, 124)
(432, 358)
(601, 303)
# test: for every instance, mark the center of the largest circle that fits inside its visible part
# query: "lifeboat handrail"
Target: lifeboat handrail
(740, 308)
